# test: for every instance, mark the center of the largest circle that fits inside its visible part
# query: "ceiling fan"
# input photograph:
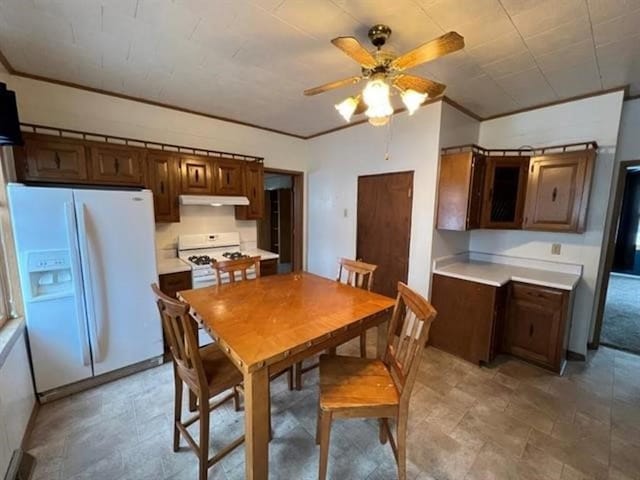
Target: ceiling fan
(384, 70)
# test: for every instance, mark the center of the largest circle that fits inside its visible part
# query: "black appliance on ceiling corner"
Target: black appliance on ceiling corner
(9, 123)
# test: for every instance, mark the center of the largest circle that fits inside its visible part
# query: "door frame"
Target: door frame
(610, 237)
(413, 175)
(297, 231)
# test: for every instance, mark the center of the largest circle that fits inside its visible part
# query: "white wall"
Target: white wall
(53, 105)
(17, 401)
(595, 118)
(456, 128)
(336, 161)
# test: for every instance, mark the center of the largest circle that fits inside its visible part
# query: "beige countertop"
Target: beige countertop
(172, 265)
(498, 274)
(263, 254)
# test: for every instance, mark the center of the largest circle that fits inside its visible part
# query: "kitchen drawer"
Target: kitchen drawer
(539, 295)
(172, 283)
(268, 267)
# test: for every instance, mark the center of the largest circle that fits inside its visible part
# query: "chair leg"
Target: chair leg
(236, 399)
(203, 454)
(318, 425)
(290, 378)
(383, 431)
(298, 373)
(177, 412)
(401, 445)
(325, 433)
(363, 345)
(193, 402)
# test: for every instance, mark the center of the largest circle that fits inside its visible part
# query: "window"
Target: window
(10, 300)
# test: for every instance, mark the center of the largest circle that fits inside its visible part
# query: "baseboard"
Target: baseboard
(576, 356)
(30, 426)
(21, 466)
(592, 346)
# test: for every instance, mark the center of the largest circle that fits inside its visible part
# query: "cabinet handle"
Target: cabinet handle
(197, 176)
(228, 179)
(162, 187)
(57, 160)
(116, 165)
(554, 194)
(531, 330)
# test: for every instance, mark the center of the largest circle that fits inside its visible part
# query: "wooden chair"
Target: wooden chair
(359, 275)
(232, 267)
(352, 387)
(206, 371)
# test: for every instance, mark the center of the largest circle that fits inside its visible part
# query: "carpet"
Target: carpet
(621, 325)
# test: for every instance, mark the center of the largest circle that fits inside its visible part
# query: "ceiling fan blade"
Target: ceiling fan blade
(352, 47)
(447, 43)
(419, 84)
(332, 85)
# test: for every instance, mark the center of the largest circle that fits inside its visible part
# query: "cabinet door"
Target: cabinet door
(228, 177)
(460, 188)
(162, 175)
(49, 160)
(558, 191)
(196, 175)
(115, 165)
(504, 192)
(254, 182)
(534, 327)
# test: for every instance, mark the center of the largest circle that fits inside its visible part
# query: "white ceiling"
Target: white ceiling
(250, 60)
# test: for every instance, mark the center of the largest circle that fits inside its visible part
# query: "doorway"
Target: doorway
(280, 229)
(619, 316)
(384, 227)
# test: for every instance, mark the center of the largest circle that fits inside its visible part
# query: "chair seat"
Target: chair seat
(221, 373)
(352, 382)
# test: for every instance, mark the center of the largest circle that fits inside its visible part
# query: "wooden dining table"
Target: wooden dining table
(268, 324)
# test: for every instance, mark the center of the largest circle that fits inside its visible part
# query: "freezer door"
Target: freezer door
(49, 263)
(117, 244)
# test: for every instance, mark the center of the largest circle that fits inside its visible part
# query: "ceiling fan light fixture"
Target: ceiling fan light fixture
(376, 96)
(379, 121)
(347, 107)
(412, 99)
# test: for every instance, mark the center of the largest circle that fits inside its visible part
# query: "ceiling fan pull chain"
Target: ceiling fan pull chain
(387, 153)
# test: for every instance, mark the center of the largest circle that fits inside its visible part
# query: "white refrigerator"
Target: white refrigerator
(86, 260)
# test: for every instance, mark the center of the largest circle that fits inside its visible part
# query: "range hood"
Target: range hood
(213, 200)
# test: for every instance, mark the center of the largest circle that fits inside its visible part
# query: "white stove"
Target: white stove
(201, 250)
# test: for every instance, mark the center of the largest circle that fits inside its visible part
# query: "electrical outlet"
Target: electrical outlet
(345, 213)
(555, 249)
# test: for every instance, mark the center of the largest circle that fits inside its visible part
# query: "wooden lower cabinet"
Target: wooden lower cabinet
(172, 283)
(536, 326)
(268, 267)
(469, 315)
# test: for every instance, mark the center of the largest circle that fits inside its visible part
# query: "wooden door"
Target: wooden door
(117, 165)
(49, 160)
(264, 224)
(558, 191)
(162, 177)
(254, 188)
(196, 176)
(504, 192)
(460, 186)
(285, 224)
(228, 177)
(534, 324)
(384, 227)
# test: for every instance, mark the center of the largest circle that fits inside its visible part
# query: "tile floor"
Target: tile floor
(510, 421)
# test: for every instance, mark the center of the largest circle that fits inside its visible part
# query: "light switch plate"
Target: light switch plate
(555, 249)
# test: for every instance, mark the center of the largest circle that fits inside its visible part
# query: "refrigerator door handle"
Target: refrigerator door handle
(72, 232)
(88, 280)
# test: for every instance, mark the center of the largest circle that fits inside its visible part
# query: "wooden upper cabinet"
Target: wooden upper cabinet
(162, 179)
(460, 188)
(196, 175)
(228, 177)
(504, 192)
(558, 191)
(254, 190)
(48, 159)
(117, 165)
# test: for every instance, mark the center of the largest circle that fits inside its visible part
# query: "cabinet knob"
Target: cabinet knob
(116, 165)
(57, 160)
(197, 174)
(228, 178)
(531, 330)
(162, 187)
(554, 194)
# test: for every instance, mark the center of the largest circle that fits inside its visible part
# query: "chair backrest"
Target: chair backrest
(180, 331)
(407, 337)
(359, 274)
(232, 266)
